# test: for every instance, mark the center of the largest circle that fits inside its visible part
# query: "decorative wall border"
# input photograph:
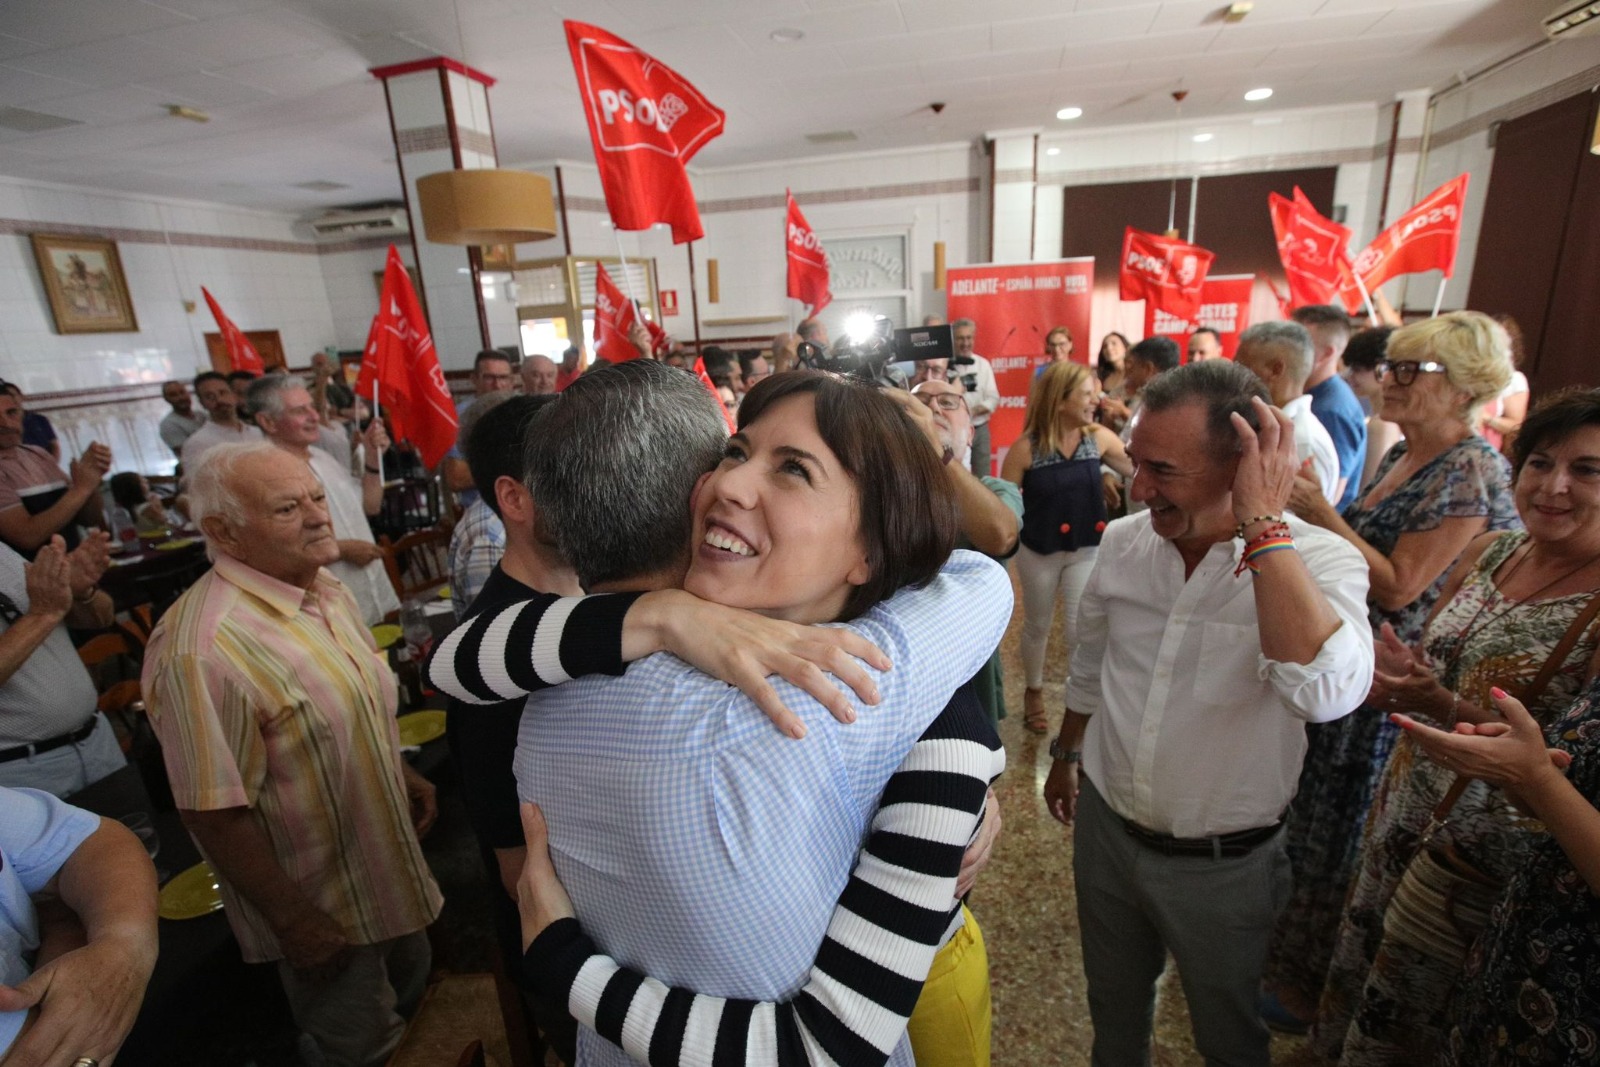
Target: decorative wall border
(23, 227)
(1583, 81)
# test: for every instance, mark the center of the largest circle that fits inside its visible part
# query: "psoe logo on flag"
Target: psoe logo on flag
(1187, 269)
(1154, 266)
(1443, 215)
(643, 104)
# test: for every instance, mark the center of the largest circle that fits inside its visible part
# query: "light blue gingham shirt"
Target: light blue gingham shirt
(476, 545)
(699, 844)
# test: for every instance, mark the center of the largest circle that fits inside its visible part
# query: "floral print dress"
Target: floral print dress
(1530, 992)
(1345, 758)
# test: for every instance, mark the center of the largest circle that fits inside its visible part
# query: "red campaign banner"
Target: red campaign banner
(1014, 306)
(646, 123)
(1164, 272)
(399, 361)
(808, 263)
(1224, 306)
(241, 353)
(1424, 238)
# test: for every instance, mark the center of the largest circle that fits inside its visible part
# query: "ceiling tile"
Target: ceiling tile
(57, 23)
(19, 86)
(17, 46)
(107, 63)
(205, 90)
(301, 75)
(238, 39)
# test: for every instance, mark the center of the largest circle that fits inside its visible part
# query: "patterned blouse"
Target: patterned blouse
(1465, 481)
(1531, 988)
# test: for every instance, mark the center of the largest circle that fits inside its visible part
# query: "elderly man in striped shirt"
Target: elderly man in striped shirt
(276, 719)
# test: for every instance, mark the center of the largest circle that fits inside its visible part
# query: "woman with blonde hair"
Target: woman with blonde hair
(1057, 463)
(1435, 491)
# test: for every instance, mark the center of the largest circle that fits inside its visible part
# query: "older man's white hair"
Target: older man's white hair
(213, 489)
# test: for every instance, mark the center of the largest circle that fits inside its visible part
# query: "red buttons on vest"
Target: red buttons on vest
(1099, 527)
(1066, 527)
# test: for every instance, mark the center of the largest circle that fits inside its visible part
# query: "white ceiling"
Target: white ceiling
(290, 99)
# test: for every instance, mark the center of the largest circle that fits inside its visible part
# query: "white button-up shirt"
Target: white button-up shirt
(1193, 732)
(1312, 441)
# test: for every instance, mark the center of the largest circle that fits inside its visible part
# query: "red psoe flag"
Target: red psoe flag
(1164, 272)
(705, 380)
(613, 320)
(1424, 238)
(1314, 253)
(399, 359)
(808, 263)
(646, 123)
(241, 352)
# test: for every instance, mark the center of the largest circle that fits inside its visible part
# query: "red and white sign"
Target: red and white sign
(646, 123)
(1224, 307)
(808, 263)
(1164, 272)
(1424, 238)
(399, 361)
(241, 353)
(1014, 306)
(669, 302)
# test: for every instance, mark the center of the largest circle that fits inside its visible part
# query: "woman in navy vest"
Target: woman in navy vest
(1057, 462)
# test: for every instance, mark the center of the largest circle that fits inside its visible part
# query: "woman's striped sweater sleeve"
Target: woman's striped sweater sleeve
(530, 645)
(896, 911)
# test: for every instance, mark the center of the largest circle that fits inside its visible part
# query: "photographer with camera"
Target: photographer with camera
(983, 395)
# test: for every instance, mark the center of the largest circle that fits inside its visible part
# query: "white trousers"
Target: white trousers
(1043, 577)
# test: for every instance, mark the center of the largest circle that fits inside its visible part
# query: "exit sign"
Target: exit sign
(669, 302)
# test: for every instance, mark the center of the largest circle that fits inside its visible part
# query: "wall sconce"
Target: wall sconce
(713, 282)
(938, 265)
(486, 207)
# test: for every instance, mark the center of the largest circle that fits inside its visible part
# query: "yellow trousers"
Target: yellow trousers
(950, 1026)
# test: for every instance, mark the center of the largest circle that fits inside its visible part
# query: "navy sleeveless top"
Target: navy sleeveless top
(1064, 506)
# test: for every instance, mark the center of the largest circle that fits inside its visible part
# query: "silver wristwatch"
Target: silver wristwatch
(1064, 755)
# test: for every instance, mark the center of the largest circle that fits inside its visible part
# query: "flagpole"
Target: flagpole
(376, 414)
(694, 295)
(1438, 299)
(627, 279)
(1372, 312)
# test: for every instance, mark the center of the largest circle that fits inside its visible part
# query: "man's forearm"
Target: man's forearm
(28, 532)
(110, 885)
(21, 638)
(94, 613)
(985, 519)
(242, 854)
(1294, 617)
(371, 491)
(1073, 726)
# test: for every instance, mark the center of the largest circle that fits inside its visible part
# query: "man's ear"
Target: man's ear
(219, 531)
(516, 503)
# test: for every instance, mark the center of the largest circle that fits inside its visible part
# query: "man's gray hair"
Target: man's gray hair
(212, 490)
(958, 323)
(612, 464)
(1221, 387)
(266, 394)
(1291, 340)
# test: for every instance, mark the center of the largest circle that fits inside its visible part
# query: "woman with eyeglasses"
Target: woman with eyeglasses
(1057, 464)
(1435, 491)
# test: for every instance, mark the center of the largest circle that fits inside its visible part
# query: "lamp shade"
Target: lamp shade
(486, 207)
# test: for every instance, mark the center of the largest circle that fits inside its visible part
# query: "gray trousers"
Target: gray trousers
(354, 1017)
(1214, 916)
(980, 450)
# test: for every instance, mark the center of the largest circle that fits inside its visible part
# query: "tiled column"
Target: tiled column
(1015, 157)
(439, 117)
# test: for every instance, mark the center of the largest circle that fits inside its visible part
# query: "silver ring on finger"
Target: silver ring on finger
(85, 1061)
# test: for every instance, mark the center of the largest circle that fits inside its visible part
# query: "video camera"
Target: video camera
(871, 344)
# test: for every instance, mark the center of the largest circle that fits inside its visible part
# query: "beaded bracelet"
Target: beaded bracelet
(1275, 520)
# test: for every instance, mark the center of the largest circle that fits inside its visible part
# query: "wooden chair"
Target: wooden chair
(110, 657)
(418, 563)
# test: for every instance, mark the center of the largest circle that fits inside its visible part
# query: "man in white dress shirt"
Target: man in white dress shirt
(983, 395)
(288, 417)
(1280, 354)
(1194, 676)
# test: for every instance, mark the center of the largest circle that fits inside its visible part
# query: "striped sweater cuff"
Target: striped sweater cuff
(591, 642)
(552, 962)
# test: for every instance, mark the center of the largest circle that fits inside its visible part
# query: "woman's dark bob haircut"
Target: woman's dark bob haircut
(1554, 419)
(907, 511)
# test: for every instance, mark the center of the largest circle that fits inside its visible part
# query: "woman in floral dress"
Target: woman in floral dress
(1432, 495)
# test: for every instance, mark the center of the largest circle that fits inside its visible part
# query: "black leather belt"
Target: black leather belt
(36, 747)
(1239, 843)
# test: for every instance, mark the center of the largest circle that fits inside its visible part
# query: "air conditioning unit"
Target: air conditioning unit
(1573, 18)
(376, 222)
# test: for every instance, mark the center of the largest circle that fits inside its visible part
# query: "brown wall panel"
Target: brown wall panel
(1526, 224)
(1570, 350)
(1094, 216)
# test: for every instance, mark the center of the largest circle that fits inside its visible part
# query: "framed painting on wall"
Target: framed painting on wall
(83, 279)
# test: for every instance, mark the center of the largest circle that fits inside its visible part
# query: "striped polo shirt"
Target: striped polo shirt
(269, 696)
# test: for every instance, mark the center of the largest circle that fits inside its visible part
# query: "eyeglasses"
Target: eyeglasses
(943, 401)
(1405, 371)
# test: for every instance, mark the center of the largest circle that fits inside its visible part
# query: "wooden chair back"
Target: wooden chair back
(418, 563)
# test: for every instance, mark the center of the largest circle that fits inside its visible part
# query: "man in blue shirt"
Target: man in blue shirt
(1332, 400)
